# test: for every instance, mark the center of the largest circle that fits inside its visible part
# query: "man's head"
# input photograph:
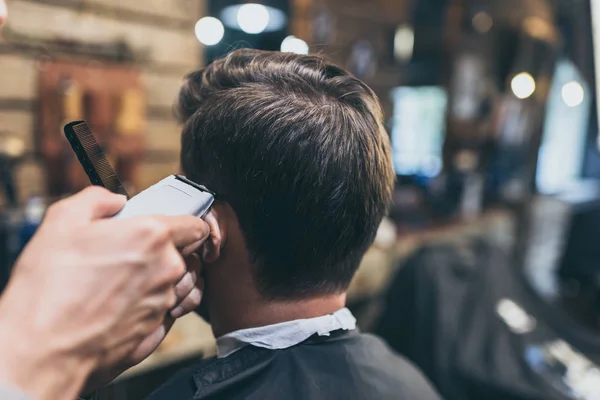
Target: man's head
(295, 147)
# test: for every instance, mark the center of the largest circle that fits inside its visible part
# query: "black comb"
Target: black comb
(92, 157)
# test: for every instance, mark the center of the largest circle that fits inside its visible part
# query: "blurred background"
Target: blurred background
(490, 105)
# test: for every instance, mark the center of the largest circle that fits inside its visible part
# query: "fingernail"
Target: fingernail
(177, 312)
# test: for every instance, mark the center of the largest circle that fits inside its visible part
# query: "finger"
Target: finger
(189, 304)
(186, 232)
(192, 248)
(144, 242)
(90, 204)
(189, 280)
(174, 267)
(185, 286)
(96, 202)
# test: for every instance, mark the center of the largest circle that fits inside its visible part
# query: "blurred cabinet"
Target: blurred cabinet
(111, 99)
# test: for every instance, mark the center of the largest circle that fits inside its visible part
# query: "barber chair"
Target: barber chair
(486, 323)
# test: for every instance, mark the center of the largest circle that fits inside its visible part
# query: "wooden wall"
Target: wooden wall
(160, 41)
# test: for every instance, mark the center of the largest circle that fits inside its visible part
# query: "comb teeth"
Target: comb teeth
(92, 157)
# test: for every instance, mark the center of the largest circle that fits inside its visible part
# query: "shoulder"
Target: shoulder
(179, 386)
(395, 372)
(361, 364)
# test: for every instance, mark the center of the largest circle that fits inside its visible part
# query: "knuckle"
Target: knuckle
(159, 305)
(195, 297)
(154, 231)
(177, 267)
(140, 261)
(171, 300)
(185, 286)
(201, 230)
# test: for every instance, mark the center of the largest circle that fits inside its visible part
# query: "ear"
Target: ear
(216, 220)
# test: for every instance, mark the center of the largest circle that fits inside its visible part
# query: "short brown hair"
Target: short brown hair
(296, 146)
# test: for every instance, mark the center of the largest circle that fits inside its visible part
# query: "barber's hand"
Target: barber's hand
(189, 295)
(87, 291)
(189, 292)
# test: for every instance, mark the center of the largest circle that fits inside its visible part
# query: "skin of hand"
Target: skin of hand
(189, 295)
(90, 293)
(3, 12)
(189, 292)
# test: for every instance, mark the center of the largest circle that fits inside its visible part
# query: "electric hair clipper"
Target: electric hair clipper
(174, 195)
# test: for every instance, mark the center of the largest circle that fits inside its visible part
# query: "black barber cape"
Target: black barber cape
(346, 365)
(478, 331)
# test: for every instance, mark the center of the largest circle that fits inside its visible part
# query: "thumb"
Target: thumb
(93, 203)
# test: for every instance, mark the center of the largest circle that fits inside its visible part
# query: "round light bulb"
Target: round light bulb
(253, 18)
(209, 31)
(292, 44)
(523, 85)
(573, 94)
(404, 43)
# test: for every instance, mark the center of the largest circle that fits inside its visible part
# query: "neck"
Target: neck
(256, 312)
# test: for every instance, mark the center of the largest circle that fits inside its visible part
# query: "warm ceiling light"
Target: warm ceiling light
(232, 15)
(523, 85)
(292, 44)
(209, 31)
(253, 18)
(573, 94)
(404, 43)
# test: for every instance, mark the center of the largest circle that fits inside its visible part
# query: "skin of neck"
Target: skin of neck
(231, 296)
(232, 311)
